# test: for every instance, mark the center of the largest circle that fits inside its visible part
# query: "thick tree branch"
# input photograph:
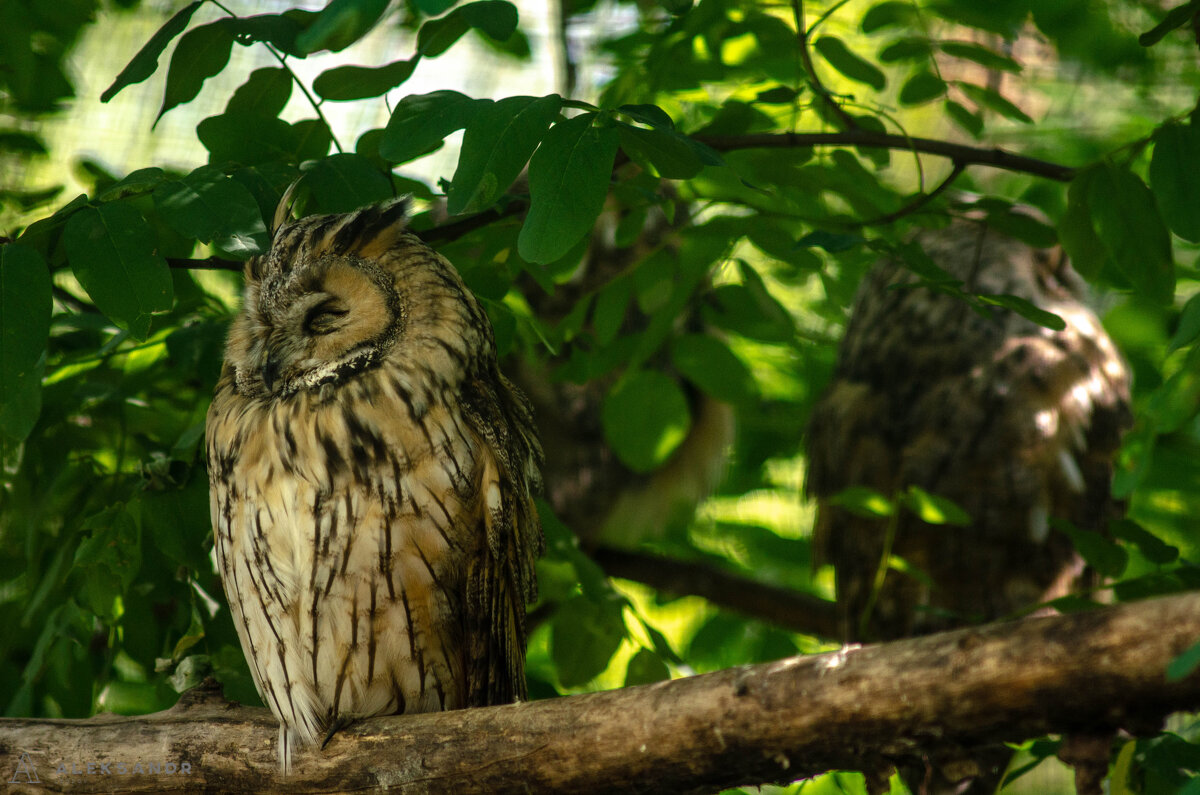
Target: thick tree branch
(797, 611)
(860, 707)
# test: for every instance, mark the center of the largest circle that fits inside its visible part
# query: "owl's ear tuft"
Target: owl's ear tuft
(283, 210)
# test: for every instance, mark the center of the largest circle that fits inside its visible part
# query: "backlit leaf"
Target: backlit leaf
(645, 418)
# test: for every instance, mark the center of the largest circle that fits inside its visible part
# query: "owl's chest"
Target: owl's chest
(365, 486)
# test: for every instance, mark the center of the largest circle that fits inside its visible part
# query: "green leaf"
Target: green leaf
(709, 364)
(569, 177)
(340, 24)
(211, 207)
(25, 305)
(1026, 310)
(496, 18)
(279, 30)
(672, 155)
(145, 63)
(645, 418)
(496, 145)
(887, 14)
(109, 558)
(1176, 18)
(864, 502)
(421, 121)
(648, 114)
(585, 635)
(1103, 554)
(113, 253)
(1153, 548)
(644, 668)
(265, 93)
(1184, 665)
(850, 65)
(911, 49)
(922, 87)
(934, 509)
(972, 123)
(344, 83)
(609, 315)
(1174, 178)
(177, 520)
(984, 56)
(1075, 229)
(200, 54)
(1125, 218)
(344, 182)
(986, 97)
(431, 8)
(1189, 325)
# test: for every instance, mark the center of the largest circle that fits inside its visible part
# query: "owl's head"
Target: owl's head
(331, 299)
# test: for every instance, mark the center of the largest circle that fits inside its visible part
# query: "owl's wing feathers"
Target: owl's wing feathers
(499, 584)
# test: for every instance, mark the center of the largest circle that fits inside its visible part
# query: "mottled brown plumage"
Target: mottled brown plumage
(372, 478)
(1014, 422)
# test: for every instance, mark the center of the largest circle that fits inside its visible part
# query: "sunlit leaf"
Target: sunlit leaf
(864, 502)
(585, 636)
(933, 508)
(709, 364)
(645, 418)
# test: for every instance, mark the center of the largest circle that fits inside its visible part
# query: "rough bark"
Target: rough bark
(1086, 673)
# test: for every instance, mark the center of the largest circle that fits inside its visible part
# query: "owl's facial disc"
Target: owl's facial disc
(329, 323)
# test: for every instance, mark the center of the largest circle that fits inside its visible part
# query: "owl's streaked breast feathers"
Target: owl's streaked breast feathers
(372, 479)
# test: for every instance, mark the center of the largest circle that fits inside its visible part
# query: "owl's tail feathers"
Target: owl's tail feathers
(339, 723)
(285, 749)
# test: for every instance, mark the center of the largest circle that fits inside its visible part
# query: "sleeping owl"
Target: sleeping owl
(372, 479)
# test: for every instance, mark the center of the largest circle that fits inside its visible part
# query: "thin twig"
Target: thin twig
(921, 200)
(810, 69)
(967, 155)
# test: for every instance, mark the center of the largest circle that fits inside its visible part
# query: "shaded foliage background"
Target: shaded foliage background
(702, 196)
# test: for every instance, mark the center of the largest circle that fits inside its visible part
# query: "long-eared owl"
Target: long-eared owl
(372, 478)
(1016, 423)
